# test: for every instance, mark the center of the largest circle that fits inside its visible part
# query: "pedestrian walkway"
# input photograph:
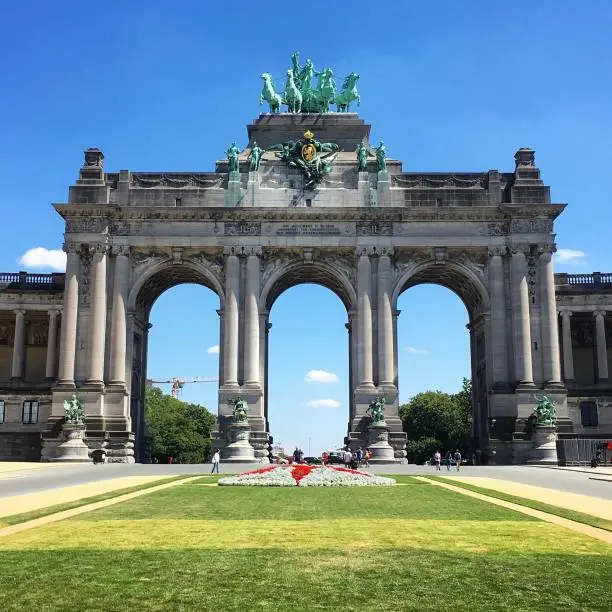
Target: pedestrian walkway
(8, 467)
(601, 508)
(599, 471)
(17, 504)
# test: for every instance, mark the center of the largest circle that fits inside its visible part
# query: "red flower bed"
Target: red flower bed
(299, 471)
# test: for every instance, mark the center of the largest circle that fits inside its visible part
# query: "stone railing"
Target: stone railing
(24, 281)
(584, 282)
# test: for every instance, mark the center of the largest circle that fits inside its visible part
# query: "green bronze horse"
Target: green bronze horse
(292, 96)
(348, 94)
(269, 95)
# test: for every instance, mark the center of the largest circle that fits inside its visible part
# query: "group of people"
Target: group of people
(353, 459)
(448, 459)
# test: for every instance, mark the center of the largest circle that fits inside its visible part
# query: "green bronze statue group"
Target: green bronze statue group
(302, 95)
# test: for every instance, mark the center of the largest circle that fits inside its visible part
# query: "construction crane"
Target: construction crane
(178, 383)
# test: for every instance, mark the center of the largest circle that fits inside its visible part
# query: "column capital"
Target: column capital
(547, 249)
(367, 251)
(565, 312)
(242, 251)
(521, 248)
(99, 247)
(599, 313)
(53, 312)
(121, 250)
(20, 312)
(498, 251)
(72, 246)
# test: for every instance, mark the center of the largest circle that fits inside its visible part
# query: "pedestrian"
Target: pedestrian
(324, 458)
(296, 455)
(359, 456)
(367, 456)
(458, 459)
(449, 460)
(437, 459)
(348, 456)
(215, 461)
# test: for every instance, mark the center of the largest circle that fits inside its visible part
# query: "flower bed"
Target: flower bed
(305, 476)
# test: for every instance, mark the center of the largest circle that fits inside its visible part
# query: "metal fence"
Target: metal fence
(580, 451)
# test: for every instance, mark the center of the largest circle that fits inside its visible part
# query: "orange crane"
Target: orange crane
(178, 383)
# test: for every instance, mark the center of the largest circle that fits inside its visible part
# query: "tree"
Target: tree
(434, 420)
(177, 429)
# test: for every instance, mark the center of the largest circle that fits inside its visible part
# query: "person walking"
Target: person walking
(215, 461)
(449, 460)
(458, 459)
(437, 460)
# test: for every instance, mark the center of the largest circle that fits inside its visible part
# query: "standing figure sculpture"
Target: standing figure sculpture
(381, 157)
(545, 412)
(232, 157)
(296, 68)
(269, 95)
(73, 411)
(239, 415)
(348, 94)
(376, 409)
(255, 157)
(326, 90)
(292, 96)
(362, 157)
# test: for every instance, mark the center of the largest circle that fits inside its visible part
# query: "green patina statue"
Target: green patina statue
(239, 415)
(301, 95)
(255, 157)
(545, 412)
(73, 411)
(232, 157)
(362, 157)
(376, 409)
(269, 95)
(381, 157)
(312, 157)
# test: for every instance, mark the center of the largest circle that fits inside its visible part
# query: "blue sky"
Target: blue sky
(448, 85)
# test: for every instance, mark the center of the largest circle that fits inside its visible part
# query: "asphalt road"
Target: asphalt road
(32, 481)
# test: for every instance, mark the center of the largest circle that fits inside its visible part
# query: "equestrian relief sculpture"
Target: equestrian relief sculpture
(303, 95)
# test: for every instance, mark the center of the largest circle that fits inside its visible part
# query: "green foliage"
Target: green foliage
(177, 429)
(434, 420)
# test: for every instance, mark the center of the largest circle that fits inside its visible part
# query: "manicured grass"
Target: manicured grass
(194, 547)
(14, 519)
(572, 515)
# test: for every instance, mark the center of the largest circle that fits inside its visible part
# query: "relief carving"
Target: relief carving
(213, 262)
(37, 333)
(582, 333)
(148, 257)
(498, 228)
(86, 257)
(522, 226)
(7, 334)
(242, 228)
(374, 228)
(85, 224)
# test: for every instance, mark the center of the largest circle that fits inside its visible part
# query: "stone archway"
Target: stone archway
(466, 279)
(149, 283)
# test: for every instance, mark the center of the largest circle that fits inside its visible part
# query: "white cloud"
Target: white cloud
(323, 403)
(416, 351)
(213, 350)
(39, 257)
(321, 376)
(563, 256)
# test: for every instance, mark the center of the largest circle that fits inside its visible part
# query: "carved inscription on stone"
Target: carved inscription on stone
(307, 229)
(242, 228)
(374, 228)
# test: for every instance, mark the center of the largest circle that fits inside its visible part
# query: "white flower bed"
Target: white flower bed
(305, 476)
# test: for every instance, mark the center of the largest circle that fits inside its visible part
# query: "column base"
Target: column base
(65, 384)
(93, 385)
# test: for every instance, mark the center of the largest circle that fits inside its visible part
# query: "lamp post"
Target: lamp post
(309, 446)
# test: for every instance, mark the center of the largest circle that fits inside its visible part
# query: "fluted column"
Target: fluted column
(118, 340)
(548, 316)
(385, 322)
(230, 319)
(69, 316)
(568, 354)
(19, 344)
(251, 322)
(364, 343)
(97, 315)
(51, 364)
(521, 323)
(498, 315)
(602, 350)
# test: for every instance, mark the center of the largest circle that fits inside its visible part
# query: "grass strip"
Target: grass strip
(572, 515)
(15, 519)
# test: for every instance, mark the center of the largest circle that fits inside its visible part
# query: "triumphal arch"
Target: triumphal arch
(305, 197)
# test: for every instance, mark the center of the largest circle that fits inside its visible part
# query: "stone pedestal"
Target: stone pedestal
(233, 194)
(239, 450)
(378, 443)
(545, 445)
(74, 449)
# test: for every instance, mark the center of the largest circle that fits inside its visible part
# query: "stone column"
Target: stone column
(69, 316)
(364, 342)
(385, 322)
(498, 315)
(251, 323)
(118, 340)
(600, 342)
(97, 316)
(549, 320)
(521, 323)
(230, 319)
(19, 345)
(568, 351)
(51, 365)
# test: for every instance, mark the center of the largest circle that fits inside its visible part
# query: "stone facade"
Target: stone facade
(368, 236)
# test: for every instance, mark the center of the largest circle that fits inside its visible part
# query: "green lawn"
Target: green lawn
(410, 547)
